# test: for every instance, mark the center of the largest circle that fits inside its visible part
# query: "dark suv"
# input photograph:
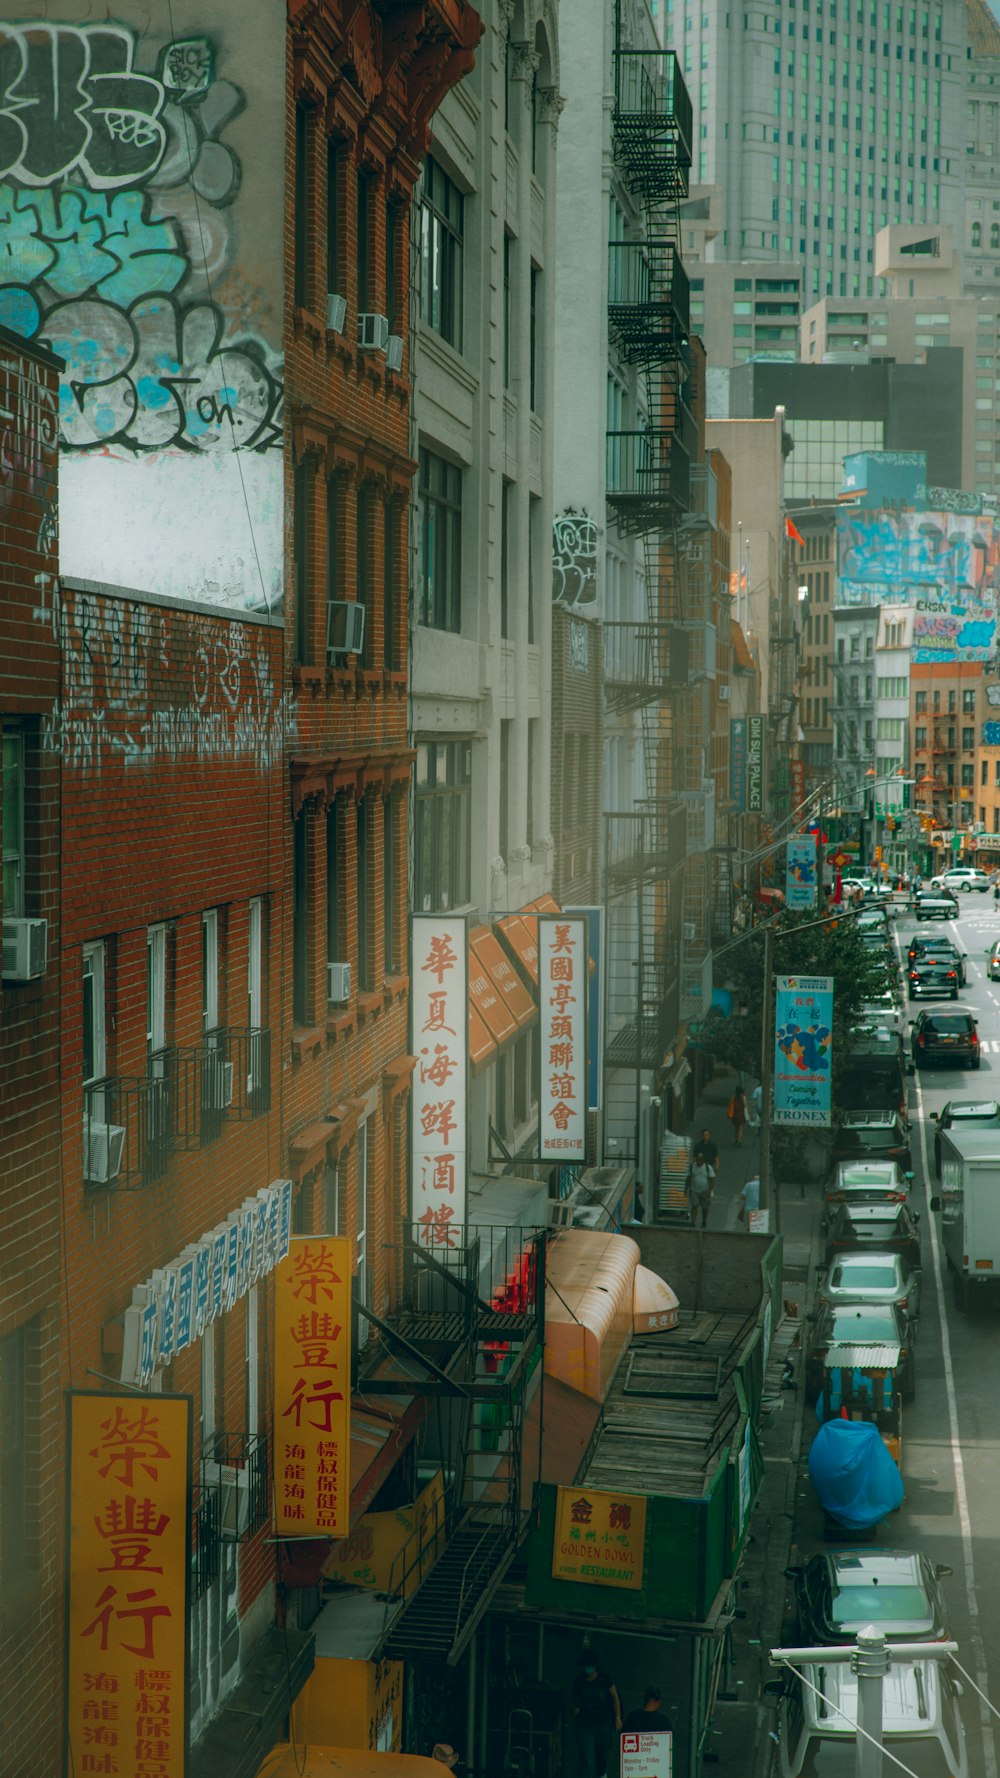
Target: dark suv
(921, 946)
(945, 1037)
(932, 974)
(872, 1136)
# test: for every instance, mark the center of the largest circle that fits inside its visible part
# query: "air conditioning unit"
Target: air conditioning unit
(373, 332)
(345, 627)
(394, 352)
(102, 1151)
(233, 1483)
(723, 694)
(218, 1082)
(24, 946)
(338, 983)
(690, 932)
(978, 827)
(336, 312)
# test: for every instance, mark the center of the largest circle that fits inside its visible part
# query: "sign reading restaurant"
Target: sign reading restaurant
(600, 1538)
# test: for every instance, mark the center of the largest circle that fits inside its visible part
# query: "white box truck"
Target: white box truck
(969, 1203)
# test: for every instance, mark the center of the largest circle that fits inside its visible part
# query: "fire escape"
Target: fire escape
(648, 664)
(466, 1329)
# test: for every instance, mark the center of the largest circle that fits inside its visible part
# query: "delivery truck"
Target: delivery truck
(969, 1205)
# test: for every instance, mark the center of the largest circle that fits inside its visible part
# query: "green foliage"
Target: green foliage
(802, 946)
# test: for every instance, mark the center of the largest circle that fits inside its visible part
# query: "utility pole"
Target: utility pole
(870, 1656)
(766, 1083)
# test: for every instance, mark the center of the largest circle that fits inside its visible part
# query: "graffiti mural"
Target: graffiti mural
(574, 562)
(945, 565)
(119, 216)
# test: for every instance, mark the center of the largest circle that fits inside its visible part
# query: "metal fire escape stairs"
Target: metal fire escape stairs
(469, 1329)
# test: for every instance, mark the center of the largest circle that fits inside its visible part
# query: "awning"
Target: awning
(521, 938)
(379, 1436)
(564, 1421)
(489, 952)
(680, 1075)
(588, 1307)
(487, 1002)
(345, 1762)
(482, 1049)
(654, 1305)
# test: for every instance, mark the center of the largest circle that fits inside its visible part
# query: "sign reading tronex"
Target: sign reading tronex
(803, 1039)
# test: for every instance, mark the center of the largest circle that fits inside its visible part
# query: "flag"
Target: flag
(792, 532)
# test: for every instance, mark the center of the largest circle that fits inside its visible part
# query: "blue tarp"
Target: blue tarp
(852, 1472)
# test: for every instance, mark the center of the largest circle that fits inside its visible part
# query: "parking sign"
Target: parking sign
(647, 1755)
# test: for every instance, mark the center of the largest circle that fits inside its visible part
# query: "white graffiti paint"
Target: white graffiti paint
(28, 424)
(118, 700)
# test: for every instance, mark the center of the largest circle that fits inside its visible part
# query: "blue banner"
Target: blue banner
(800, 871)
(738, 763)
(803, 1049)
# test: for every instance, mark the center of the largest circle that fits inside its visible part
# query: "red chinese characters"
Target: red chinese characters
(312, 1387)
(562, 983)
(438, 1099)
(129, 1556)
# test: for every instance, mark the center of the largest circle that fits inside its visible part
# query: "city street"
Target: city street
(951, 1432)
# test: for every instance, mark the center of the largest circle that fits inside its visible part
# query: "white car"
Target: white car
(920, 1722)
(965, 880)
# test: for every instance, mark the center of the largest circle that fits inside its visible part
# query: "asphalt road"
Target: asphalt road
(951, 1432)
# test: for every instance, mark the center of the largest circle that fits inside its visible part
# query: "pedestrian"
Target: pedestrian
(598, 1711)
(996, 895)
(737, 1114)
(701, 1184)
(650, 1720)
(708, 1149)
(749, 1198)
(757, 1101)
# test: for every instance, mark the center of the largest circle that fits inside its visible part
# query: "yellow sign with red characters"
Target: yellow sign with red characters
(312, 1388)
(128, 1563)
(600, 1538)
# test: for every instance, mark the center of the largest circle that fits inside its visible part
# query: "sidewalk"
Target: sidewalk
(740, 1737)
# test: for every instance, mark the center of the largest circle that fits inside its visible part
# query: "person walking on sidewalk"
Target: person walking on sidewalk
(598, 1711)
(707, 1149)
(749, 1199)
(701, 1184)
(650, 1720)
(737, 1114)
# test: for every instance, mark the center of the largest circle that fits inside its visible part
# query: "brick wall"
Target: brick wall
(31, 1326)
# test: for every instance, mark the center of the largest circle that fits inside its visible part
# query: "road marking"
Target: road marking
(957, 1460)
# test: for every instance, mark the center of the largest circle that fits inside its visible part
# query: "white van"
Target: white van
(920, 1722)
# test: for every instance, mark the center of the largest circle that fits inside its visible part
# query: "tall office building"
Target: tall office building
(821, 123)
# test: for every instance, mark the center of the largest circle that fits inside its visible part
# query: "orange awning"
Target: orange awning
(345, 1762)
(482, 1049)
(521, 937)
(654, 1305)
(546, 904)
(489, 952)
(487, 1002)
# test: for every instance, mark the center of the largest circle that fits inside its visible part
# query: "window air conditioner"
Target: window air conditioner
(345, 627)
(373, 332)
(723, 694)
(690, 932)
(24, 945)
(233, 1483)
(338, 978)
(336, 312)
(394, 352)
(218, 1082)
(102, 1151)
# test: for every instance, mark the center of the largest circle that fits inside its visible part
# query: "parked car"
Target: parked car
(840, 1591)
(882, 1228)
(923, 944)
(874, 1073)
(884, 1009)
(921, 1725)
(932, 974)
(966, 880)
(993, 960)
(859, 1325)
(869, 1278)
(945, 1037)
(872, 1136)
(873, 918)
(963, 1111)
(860, 1182)
(937, 906)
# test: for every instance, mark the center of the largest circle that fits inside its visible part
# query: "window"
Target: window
(533, 364)
(12, 818)
(364, 861)
(301, 489)
(920, 739)
(209, 970)
(442, 226)
(967, 778)
(534, 511)
(389, 910)
(301, 997)
(156, 995)
(505, 744)
(364, 525)
(333, 534)
(366, 189)
(94, 1049)
(391, 608)
(983, 769)
(363, 1280)
(969, 701)
(19, 1410)
(334, 174)
(504, 562)
(442, 865)
(968, 739)
(303, 195)
(441, 537)
(335, 946)
(920, 703)
(395, 289)
(506, 311)
(532, 767)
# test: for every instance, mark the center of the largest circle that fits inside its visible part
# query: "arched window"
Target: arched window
(977, 234)
(995, 235)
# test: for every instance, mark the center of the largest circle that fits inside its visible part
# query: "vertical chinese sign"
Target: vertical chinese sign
(803, 1049)
(440, 1014)
(562, 993)
(129, 1518)
(312, 1388)
(600, 1538)
(738, 763)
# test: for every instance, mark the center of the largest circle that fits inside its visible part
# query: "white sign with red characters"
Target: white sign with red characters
(562, 995)
(440, 1014)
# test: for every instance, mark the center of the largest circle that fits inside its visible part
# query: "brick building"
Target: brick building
(31, 1303)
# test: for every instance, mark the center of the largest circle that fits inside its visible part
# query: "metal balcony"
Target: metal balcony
(129, 1126)
(648, 478)
(652, 122)
(699, 806)
(643, 845)
(648, 302)
(641, 662)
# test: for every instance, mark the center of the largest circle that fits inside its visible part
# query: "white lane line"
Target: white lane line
(957, 1461)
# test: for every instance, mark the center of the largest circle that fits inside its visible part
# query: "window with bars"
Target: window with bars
(441, 543)
(442, 235)
(442, 864)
